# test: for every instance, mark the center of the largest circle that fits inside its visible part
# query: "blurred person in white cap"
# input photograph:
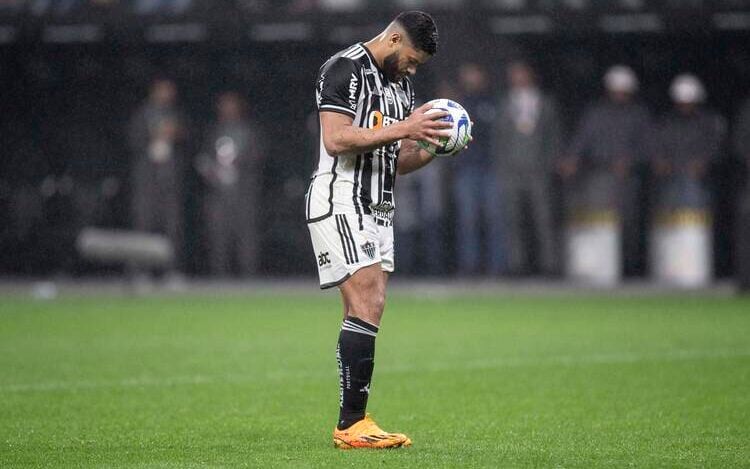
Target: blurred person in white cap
(601, 167)
(690, 138)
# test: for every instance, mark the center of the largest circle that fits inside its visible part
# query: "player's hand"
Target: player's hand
(471, 139)
(421, 126)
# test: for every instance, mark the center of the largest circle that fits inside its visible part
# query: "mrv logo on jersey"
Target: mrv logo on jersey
(353, 81)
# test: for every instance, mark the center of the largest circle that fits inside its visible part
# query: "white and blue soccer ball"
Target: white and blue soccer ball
(460, 134)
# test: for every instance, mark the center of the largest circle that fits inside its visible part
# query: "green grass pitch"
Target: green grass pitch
(485, 381)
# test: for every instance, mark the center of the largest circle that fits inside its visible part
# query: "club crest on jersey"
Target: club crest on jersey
(369, 249)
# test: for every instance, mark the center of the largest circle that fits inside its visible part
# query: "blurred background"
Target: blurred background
(612, 139)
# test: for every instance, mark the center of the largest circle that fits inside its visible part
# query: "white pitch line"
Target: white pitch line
(499, 362)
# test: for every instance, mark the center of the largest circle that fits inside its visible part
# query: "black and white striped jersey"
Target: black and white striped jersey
(351, 83)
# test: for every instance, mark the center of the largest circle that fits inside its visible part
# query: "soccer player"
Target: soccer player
(369, 133)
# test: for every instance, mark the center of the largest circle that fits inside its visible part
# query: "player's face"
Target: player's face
(403, 61)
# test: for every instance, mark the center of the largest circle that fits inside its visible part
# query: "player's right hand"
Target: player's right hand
(421, 126)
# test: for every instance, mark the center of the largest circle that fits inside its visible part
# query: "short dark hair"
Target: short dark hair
(421, 29)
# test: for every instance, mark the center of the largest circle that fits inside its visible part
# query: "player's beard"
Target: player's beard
(390, 68)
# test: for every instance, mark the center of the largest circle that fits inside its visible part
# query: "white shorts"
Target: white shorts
(341, 248)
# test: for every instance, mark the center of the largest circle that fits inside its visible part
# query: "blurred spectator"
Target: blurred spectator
(478, 202)
(526, 145)
(613, 136)
(156, 132)
(690, 139)
(742, 149)
(231, 170)
(420, 204)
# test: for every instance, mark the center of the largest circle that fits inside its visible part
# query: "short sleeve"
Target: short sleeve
(338, 87)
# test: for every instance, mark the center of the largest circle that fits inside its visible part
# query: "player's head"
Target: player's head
(411, 40)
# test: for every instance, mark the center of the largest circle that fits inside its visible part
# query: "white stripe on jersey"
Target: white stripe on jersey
(338, 108)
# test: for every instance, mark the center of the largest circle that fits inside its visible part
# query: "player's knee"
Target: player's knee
(370, 306)
(377, 303)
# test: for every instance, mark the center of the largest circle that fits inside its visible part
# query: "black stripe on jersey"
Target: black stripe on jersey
(379, 151)
(344, 244)
(365, 196)
(330, 194)
(355, 199)
(365, 183)
(351, 237)
(362, 122)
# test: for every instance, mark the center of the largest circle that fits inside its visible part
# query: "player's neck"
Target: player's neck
(377, 49)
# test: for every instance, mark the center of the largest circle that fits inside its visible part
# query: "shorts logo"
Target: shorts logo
(323, 259)
(369, 249)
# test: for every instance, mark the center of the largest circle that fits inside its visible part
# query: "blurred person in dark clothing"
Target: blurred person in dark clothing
(742, 149)
(157, 131)
(527, 141)
(474, 186)
(612, 138)
(421, 205)
(689, 140)
(230, 167)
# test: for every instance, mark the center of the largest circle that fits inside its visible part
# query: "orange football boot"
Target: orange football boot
(367, 434)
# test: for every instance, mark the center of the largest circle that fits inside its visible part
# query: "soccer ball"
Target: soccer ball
(460, 134)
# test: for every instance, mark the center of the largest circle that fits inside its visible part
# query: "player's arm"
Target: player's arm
(411, 157)
(341, 137)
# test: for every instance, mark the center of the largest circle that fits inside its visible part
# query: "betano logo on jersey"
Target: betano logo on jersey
(378, 120)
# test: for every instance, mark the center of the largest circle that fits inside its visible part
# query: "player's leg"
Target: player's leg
(345, 304)
(364, 298)
(364, 295)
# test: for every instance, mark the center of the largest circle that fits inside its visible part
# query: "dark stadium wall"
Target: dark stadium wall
(65, 109)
